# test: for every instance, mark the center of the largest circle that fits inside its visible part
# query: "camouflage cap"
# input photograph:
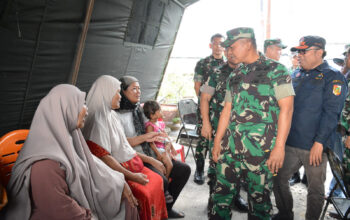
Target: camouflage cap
(275, 41)
(338, 61)
(347, 49)
(236, 34)
(309, 41)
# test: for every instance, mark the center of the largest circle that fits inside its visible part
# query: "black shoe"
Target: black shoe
(198, 177)
(280, 216)
(304, 180)
(174, 214)
(295, 179)
(240, 204)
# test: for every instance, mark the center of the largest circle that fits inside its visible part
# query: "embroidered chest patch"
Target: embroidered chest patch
(336, 90)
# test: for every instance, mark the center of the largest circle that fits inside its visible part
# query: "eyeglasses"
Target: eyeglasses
(303, 51)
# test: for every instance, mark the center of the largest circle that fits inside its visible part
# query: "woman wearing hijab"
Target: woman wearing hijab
(106, 139)
(55, 175)
(132, 119)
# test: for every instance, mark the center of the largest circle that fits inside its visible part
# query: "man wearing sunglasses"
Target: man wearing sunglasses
(320, 94)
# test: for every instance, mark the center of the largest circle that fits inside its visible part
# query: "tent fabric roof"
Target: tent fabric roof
(38, 41)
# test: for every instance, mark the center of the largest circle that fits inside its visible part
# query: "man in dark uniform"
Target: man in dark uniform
(212, 103)
(203, 67)
(258, 100)
(320, 95)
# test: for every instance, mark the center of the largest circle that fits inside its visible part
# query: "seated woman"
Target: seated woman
(55, 175)
(108, 142)
(132, 119)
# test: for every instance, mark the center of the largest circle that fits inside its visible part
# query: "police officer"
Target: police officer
(212, 102)
(273, 48)
(259, 96)
(320, 95)
(201, 75)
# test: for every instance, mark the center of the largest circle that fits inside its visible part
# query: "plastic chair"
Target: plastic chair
(3, 197)
(10, 145)
(188, 114)
(341, 205)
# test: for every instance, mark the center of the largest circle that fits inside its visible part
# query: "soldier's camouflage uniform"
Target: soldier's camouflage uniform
(253, 90)
(216, 87)
(202, 70)
(345, 124)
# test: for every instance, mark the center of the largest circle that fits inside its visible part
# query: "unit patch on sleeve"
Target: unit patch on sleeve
(336, 90)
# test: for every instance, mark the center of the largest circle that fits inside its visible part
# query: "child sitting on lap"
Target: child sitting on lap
(163, 150)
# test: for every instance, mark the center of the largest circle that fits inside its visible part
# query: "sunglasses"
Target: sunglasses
(303, 51)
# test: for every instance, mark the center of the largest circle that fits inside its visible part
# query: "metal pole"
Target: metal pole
(268, 22)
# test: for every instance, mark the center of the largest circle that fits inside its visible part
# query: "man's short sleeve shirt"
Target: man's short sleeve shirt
(203, 68)
(254, 91)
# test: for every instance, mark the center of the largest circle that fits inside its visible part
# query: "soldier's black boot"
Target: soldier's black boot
(240, 204)
(198, 175)
(294, 179)
(284, 216)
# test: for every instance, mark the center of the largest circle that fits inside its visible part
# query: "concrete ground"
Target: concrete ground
(193, 199)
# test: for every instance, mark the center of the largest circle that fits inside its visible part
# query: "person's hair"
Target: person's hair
(324, 54)
(216, 36)
(150, 107)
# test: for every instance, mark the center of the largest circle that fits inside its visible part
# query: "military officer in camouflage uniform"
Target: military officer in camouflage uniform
(320, 94)
(345, 119)
(212, 103)
(344, 129)
(273, 48)
(201, 75)
(259, 98)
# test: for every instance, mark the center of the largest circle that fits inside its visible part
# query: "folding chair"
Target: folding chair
(10, 145)
(341, 205)
(188, 114)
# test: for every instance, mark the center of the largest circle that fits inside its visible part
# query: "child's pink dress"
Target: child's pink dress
(158, 127)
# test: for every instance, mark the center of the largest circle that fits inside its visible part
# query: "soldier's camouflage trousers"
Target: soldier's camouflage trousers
(203, 143)
(211, 168)
(346, 165)
(201, 150)
(230, 171)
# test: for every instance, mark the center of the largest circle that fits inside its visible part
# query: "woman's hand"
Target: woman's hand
(153, 136)
(140, 178)
(129, 196)
(159, 166)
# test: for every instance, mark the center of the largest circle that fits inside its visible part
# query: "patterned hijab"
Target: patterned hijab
(137, 114)
(102, 125)
(54, 135)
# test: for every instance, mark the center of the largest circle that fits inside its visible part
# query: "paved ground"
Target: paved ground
(194, 198)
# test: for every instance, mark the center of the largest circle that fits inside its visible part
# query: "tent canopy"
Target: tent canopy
(39, 45)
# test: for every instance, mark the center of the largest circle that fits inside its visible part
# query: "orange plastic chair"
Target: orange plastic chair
(10, 145)
(3, 197)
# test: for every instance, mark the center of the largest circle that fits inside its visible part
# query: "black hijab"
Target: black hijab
(137, 113)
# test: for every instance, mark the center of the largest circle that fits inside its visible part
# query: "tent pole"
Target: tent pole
(79, 52)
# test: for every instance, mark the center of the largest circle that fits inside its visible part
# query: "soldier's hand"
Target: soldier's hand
(276, 159)
(316, 154)
(206, 130)
(347, 142)
(216, 151)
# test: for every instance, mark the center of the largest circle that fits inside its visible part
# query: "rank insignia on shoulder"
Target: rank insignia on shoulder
(319, 76)
(336, 90)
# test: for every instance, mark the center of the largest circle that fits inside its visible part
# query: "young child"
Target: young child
(163, 150)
